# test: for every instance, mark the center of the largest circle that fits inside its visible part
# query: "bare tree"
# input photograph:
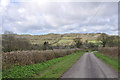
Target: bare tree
(12, 43)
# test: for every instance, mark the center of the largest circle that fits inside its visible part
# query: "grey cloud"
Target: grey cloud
(61, 17)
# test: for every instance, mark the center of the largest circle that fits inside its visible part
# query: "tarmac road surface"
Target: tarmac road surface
(89, 66)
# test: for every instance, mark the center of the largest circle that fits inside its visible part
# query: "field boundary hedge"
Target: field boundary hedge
(32, 57)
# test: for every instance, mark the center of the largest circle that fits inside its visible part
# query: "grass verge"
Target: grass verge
(110, 61)
(50, 69)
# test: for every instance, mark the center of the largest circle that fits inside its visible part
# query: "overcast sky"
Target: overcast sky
(40, 17)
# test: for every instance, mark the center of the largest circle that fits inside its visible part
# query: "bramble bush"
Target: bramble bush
(21, 58)
(110, 51)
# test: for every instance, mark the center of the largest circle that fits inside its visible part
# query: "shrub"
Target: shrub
(110, 51)
(31, 57)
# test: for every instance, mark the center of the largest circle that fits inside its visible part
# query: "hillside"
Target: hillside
(60, 39)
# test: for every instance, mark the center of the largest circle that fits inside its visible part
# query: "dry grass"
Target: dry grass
(110, 51)
(31, 57)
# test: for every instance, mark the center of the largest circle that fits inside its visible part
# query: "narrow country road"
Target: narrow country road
(89, 66)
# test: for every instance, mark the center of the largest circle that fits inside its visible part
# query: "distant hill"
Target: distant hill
(60, 39)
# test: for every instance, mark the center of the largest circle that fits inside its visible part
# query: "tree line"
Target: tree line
(104, 41)
(10, 42)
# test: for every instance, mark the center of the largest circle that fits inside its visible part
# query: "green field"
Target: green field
(50, 69)
(110, 61)
(93, 41)
(65, 41)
